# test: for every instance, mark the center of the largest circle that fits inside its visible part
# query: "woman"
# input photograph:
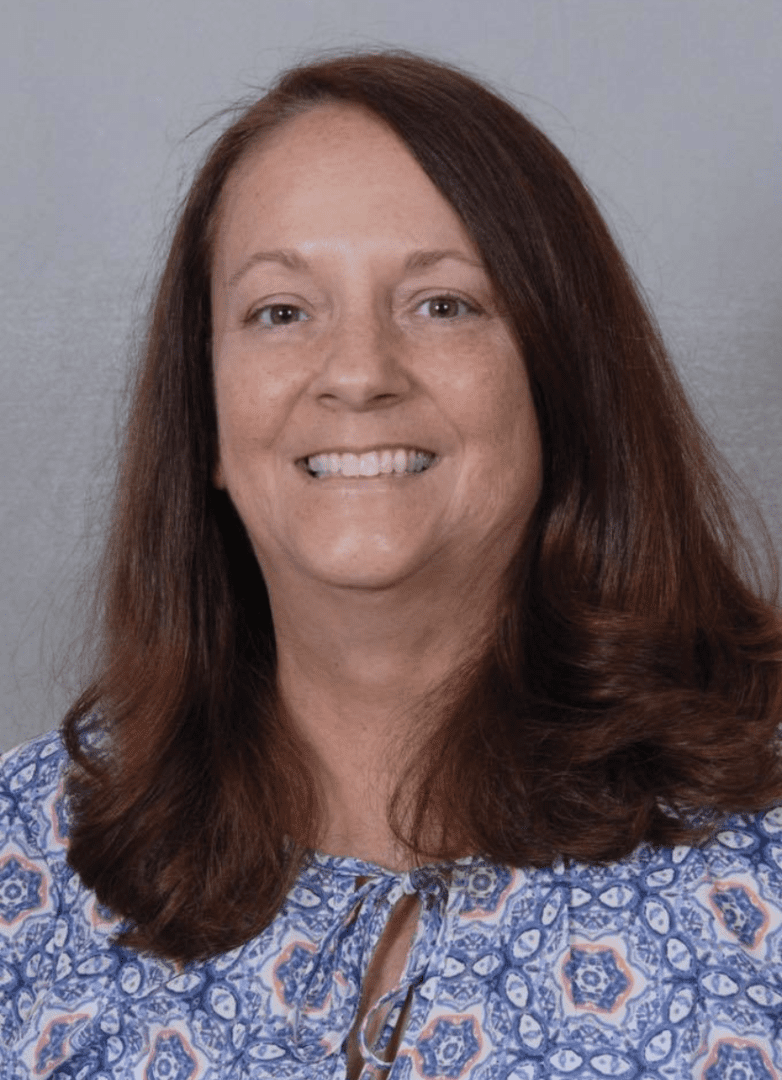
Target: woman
(434, 733)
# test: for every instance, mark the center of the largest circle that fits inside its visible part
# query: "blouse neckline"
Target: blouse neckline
(353, 866)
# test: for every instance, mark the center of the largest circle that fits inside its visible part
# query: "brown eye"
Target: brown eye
(278, 315)
(446, 307)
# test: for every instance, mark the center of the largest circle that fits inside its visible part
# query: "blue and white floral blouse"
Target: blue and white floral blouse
(667, 964)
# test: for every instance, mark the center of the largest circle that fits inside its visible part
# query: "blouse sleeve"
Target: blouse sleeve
(32, 873)
(734, 916)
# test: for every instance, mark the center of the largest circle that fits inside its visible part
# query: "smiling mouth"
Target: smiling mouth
(384, 464)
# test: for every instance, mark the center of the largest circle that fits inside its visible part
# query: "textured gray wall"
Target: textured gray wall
(669, 108)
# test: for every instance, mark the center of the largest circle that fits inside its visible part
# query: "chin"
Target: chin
(360, 570)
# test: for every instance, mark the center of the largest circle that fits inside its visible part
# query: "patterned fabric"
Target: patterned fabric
(665, 965)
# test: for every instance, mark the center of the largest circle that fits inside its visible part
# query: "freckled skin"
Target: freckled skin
(365, 367)
(377, 587)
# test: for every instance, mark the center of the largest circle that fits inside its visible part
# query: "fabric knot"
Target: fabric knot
(430, 886)
(323, 987)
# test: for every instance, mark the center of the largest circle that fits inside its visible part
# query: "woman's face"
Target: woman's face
(352, 314)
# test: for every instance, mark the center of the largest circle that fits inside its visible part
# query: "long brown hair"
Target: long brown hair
(635, 674)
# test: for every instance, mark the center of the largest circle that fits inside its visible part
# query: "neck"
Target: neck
(351, 666)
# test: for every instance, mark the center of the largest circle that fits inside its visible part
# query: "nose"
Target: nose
(364, 363)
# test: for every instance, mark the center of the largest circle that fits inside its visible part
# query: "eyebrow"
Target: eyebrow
(420, 259)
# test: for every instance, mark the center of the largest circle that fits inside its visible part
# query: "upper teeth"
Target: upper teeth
(374, 463)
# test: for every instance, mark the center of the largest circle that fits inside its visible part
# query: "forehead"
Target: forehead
(335, 172)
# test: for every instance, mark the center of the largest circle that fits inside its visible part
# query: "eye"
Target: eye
(277, 315)
(447, 307)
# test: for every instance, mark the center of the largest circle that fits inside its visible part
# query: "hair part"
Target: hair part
(635, 674)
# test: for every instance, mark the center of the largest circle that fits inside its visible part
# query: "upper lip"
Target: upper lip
(358, 451)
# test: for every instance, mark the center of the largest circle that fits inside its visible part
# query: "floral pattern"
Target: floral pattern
(171, 1060)
(20, 889)
(450, 1049)
(743, 916)
(738, 1063)
(596, 979)
(665, 966)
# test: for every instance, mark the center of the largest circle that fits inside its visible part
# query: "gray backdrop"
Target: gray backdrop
(669, 108)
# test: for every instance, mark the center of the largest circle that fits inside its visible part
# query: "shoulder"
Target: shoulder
(33, 814)
(736, 877)
(34, 872)
(748, 838)
(671, 957)
(43, 906)
(33, 834)
(720, 897)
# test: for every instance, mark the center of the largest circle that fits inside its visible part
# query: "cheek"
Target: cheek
(491, 392)
(505, 429)
(242, 425)
(249, 401)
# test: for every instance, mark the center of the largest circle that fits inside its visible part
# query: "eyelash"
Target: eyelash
(254, 316)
